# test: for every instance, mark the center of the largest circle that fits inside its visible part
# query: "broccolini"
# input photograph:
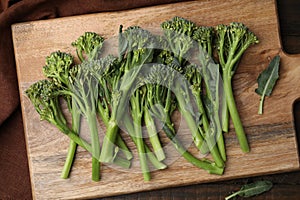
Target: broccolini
(232, 42)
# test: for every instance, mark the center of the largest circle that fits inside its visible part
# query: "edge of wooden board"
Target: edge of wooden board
(287, 124)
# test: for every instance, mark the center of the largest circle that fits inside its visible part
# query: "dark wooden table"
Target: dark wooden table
(286, 185)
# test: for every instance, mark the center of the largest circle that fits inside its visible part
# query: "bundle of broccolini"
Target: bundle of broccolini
(151, 77)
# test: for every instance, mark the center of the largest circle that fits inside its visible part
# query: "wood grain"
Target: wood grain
(272, 135)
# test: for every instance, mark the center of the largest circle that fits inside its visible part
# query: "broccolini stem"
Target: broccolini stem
(117, 110)
(220, 142)
(202, 111)
(261, 104)
(168, 102)
(108, 141)
(69, 160)
(137, 113)
(210, 167)
(153, 136)
(234, 113)
(197, 137)
(211, 143)
(209, 48)
(125, 163)
(72, 146)
(73, 136)
(123, 147)
(225, 115)
(95, 169)
(92, 123)
(152, 158)
(104, 115)
(141, 149)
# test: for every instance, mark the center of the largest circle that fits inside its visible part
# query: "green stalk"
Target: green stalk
(103, 112)
(218, 134)
(153, 136)
(108, 141)
(95, 169)
(73, 136)
(122, 162)
(197, 137)
(92, 123)
(214, 138)
(227, 71)
(78, 140)
(112, 128)
(104, 115)
(225, 115)
(69, 160)
(205, 121)
(85, 145)
(193, 126)
(202, 110)
(220, 142)
(123, 147)
(136, 111)
(210, 167)
(212, 145)
(72, 146)
(261, 104)
(152, 158)
(141, 149)
(150, 155)
(234, 112)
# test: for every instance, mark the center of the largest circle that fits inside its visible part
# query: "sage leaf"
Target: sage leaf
(252, 189)
(267, 80)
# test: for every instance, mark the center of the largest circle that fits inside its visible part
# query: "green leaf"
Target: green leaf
(267, 80)
(252, 189)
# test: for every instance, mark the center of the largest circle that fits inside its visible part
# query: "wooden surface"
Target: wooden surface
(268, 133)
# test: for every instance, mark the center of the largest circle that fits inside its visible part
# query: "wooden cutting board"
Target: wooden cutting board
(272, 135)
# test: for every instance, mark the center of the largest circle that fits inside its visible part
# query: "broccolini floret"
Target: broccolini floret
(58, 67)
(178, 32)
(46, 103)
(44, 96)
(89, 44)
(203, 35)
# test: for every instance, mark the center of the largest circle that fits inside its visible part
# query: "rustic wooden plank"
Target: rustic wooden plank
(271, 136)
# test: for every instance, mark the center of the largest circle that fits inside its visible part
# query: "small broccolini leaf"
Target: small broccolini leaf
(252, 189)
(267, 80)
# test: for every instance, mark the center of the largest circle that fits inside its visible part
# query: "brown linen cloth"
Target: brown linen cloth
(14, 173)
